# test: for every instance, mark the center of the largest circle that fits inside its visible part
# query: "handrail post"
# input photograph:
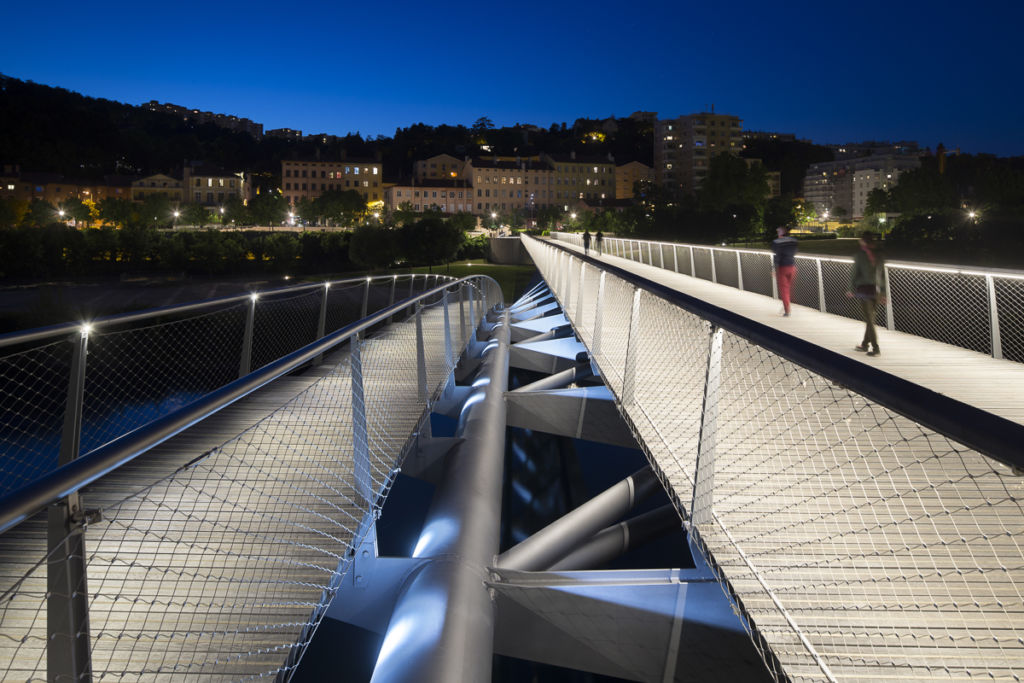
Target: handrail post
(661, 254)
(360, 440)
(568, 283)
(693, 265)
(412, 280)
(675, 256)
(629, 372)
(993, 318)
(447, 327)
(704, 476)
(890, 318)
(739, 271)
(67, 606)
(579, 295)
(366, 298)
(391, 297)
(321, 327)
(821, 287)
(714, 272)
(462, 317)
(245, 363)
(421, 357)
(596, 345)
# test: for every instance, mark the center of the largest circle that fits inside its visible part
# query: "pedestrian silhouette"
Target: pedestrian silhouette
(867, 285)
(598, 242)
(784, 261)
(586, 242)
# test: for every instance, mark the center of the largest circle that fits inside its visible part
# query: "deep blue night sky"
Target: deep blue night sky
(831, 72)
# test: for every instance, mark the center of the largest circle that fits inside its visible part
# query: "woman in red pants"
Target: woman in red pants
(784, 261)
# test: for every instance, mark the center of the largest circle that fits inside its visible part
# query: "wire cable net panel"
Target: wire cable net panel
(974, 309)
(222, 566)
(858, 544)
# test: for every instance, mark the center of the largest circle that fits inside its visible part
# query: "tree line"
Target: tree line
(57, 250)
(973, 203)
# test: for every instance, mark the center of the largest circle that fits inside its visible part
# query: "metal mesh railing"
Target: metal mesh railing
(977, 309)
(32, 410)
(856, 543)
(139, 367)
(216, 556)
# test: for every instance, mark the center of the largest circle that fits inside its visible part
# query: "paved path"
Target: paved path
(996, 386)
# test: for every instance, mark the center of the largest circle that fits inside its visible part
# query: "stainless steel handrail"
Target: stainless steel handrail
(65, 480)
(989, 434)
(64, 329)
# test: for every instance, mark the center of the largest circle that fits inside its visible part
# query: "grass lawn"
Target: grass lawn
(513, 279)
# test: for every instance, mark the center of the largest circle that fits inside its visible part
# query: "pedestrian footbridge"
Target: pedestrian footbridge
(190, 492)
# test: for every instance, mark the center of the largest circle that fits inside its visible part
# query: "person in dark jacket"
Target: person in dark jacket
(586, 242)
(867, 285)
(599, 242)
(784, 262)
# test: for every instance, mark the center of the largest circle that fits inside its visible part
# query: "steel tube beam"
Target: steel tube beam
(617, 540)
(558, 380)
(442, 627)
(559, 332)
(558, 538)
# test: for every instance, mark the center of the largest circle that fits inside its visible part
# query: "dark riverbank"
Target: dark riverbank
(30, 305)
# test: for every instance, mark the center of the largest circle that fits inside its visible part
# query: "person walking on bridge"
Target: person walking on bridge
(599, 242)
(586, 242)
(784, 261)
(867, 285)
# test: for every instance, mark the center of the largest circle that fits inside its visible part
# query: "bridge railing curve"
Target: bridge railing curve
(852, 519)
(137, 367)
(981, 309)
(141, 559)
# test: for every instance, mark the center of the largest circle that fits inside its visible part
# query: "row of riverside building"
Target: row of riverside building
(197, 183)
(485, 185)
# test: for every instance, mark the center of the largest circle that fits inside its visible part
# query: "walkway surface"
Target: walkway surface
(995, 386)
(861, 544)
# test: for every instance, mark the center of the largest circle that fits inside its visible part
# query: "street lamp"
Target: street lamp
(494, 220)
(175, 223)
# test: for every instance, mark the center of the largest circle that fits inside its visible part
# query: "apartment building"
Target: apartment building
(684, 146)
(448, 195)
(284, 133)
(157, 184)
(591, 179)
(841, 187)
(212, 186)
(628, 175)
(509, 183)
(310, 179)
(441, 166)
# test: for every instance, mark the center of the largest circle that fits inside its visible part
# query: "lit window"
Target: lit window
(374, 170)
